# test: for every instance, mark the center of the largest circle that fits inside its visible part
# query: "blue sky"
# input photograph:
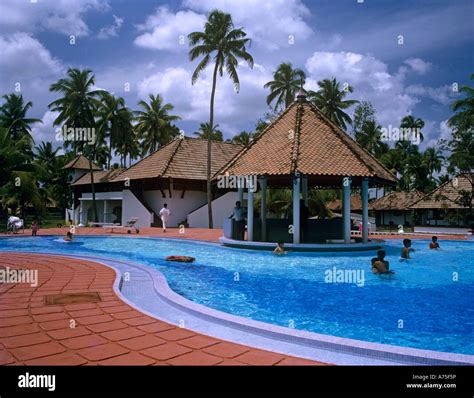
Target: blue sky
(142, 44)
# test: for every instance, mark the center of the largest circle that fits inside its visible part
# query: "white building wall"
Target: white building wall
(221, 208)
(132, 207)
(179, 207)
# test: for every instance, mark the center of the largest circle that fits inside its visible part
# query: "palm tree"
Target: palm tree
(433, 159)
(45, 153)
(464, 118)
(413, 125)
(286, 81)
(13, 118)
(203, 132)
(154, 123)
(243, 138)
(329, 99)
(115, 121)
(370, 138)
(226, 45)
(77, 109)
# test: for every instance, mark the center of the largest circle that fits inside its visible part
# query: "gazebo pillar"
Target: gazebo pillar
(304, 189)
(365, 210)
(250, 210)
(296, 208)
(81, 214)
(346, 214)
(263, 215)
(241, 195)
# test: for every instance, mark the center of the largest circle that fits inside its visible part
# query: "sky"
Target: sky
(405, 57)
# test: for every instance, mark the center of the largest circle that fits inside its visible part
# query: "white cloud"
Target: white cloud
(268, 23)
(442, 132)
(418, 65)
(46, 131)
(165, 30)
(443, 94)
(370, 79)
(192, 102)
(24, 57)
(62, 16)
(110, 30)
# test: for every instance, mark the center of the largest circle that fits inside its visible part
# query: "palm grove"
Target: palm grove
(33, 178)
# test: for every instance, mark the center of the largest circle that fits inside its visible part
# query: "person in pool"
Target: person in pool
(434, 243)
(406, 249)
(279, 249)
(68, 237)
(380, 265)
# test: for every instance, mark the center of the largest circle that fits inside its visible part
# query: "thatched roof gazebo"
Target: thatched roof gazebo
(302, 148)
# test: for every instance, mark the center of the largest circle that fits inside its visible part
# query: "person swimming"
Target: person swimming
(68, 237)
(434, 243)
(279, 249)
(380, 265)
(405, 254)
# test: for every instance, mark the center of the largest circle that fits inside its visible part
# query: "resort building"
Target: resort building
(175, 174)
(394, 208)
(449, 205)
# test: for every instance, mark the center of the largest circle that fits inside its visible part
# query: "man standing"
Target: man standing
(165, 215)
(238, 216)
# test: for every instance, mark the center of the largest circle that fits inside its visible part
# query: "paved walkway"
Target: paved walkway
(108, 332)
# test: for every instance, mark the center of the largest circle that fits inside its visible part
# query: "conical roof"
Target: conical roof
(302, 140)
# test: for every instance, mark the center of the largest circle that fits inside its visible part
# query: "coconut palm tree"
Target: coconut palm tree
(203, 132)
(414, 125)
(286, 81)
(433, 159)
(243, 138)
(464, 108)
(370, 138)
(77, 109)
(329, 99)
(223, 45)
(13, 118)
(154, 123)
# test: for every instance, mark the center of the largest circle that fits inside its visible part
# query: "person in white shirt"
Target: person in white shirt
(239, 216)
(165, 215)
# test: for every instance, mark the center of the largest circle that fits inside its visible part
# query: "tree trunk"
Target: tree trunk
(94, 204)
(209, 133)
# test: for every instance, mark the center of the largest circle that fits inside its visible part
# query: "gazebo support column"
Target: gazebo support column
(241, 195)
(304, 189)
(81, 214)
(263, 215)
(296, 208)
(105, 211)
(346, 214)
(365, 210)
(250, 212)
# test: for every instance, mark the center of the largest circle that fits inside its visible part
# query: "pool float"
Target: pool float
(180, 259)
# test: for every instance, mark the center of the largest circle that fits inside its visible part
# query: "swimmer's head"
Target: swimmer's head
(407, 242)
(434, 239)
(280, 244)
(381, 254)
(69, 234)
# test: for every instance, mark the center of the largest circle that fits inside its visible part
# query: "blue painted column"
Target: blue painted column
(296, 208)
(263, 215)
(365, 210)
(250, 195)
(346, 214)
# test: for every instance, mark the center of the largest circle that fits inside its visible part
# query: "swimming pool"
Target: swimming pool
(428, 303)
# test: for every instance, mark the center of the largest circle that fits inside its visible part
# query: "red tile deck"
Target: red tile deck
(106, 333)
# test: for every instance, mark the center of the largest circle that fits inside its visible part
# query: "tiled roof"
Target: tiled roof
(80, 162)
(336, 205)
(101, 176)
(396, 201)
(303, 140)
(447, 195)
(184, 158)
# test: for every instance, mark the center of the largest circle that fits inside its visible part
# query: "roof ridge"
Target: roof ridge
(438, 188)
(255, 140)
(296, 138)
(339, 131)
(172, 156)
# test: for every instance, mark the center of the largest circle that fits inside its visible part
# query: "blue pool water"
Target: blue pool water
(428, 303)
